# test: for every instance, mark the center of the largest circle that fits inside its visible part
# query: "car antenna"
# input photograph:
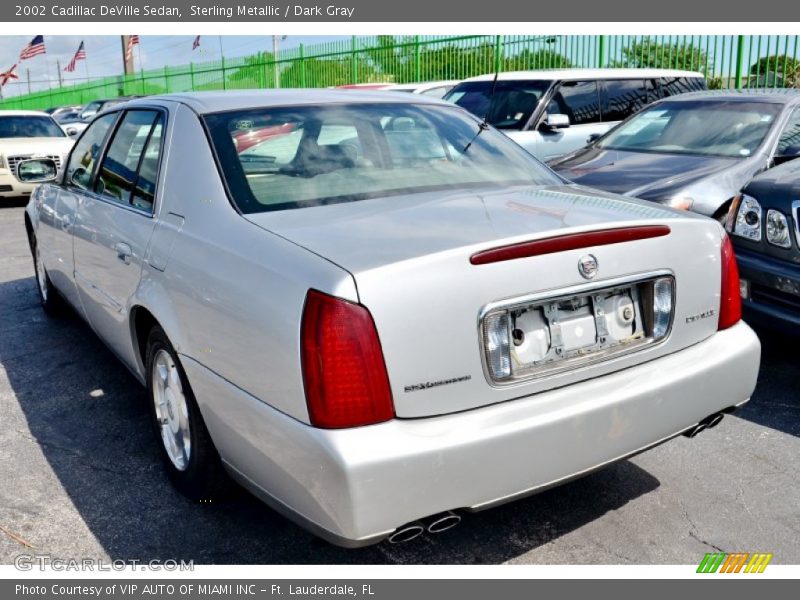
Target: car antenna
(484, 124)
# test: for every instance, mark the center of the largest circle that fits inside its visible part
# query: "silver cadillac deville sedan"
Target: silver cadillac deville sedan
(376, 312)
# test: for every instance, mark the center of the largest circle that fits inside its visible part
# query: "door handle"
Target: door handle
(124, 252)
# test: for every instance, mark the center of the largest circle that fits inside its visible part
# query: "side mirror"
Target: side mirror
(37, 170)
(593, 138)
(71, 131)
(789, 153)
(556, 121)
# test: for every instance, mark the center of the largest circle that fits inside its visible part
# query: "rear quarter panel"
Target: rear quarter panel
(229, 294)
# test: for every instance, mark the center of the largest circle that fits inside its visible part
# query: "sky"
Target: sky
(104, 55)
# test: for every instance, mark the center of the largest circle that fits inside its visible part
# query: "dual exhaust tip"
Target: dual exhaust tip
(707, 423)
(435, 524)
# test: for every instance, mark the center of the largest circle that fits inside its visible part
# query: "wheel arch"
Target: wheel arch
(143, 317)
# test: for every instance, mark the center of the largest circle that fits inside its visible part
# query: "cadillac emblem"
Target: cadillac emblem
(587, 266)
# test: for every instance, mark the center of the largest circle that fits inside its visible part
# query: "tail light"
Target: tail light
(730, 308)
(344, 372)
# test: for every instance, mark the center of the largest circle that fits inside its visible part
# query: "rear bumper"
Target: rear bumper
(354, 487)
(775, 291)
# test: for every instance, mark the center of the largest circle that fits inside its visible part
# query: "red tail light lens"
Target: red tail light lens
(730, 308)
(343, 368)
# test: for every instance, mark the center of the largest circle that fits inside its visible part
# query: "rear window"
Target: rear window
(312, 155)
(511, 106)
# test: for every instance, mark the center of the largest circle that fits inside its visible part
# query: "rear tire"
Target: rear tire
(52, 302)
(189, 456)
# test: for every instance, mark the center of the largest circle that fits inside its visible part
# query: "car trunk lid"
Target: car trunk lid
(410, 258)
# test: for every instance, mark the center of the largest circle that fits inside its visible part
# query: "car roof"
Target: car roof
(424, 85)
(783, 96)
(220, 101)
(552, 74)
(23, 113)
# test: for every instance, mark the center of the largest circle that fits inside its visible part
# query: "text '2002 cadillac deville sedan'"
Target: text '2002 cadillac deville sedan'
(382, 310)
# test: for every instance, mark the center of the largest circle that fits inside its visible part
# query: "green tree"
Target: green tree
(543, 58)
(777, 70)
(650, 53)
(325, 72)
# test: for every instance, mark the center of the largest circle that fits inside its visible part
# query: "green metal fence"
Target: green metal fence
(726, 61)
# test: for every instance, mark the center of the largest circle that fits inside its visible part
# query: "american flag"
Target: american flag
(196, 43)
(132, 41)
(34, 48)
(79, 55)
(8, 76)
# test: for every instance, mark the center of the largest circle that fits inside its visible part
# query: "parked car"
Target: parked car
(88, 113)
(26, 134)
(693, 152)
(434, 89)
(59, 111)
(400, 317)
(764, 223)
(553, 112)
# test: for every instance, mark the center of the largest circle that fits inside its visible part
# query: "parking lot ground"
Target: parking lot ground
(80, 477)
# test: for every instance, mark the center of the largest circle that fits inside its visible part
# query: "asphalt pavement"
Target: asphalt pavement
(80, 475)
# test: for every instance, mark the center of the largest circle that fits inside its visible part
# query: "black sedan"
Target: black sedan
(764, 223)
(694, 151)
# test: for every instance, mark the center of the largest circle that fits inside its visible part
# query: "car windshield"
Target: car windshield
(512, 105)
(29, 126)
(279, 158)
(702, 127)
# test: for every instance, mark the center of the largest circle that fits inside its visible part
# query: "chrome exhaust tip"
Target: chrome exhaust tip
(406, 533)
(443, 522)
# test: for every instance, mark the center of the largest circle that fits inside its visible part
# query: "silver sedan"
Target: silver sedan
(376, 312)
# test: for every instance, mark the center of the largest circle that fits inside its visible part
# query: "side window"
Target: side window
(145, 189)
(791, 134)
(118, 171)
(578, 100)
(672, 86)
(625, 97)
(82, 161)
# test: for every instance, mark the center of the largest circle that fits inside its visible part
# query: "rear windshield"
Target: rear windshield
(29, 126)
(510, 108)
(294, 157)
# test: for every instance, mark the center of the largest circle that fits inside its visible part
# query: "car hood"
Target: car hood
(35, 146)
(368, 234)
(641, 174)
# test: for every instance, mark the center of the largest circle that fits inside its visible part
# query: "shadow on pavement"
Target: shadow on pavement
(776, 401)
(88, 415)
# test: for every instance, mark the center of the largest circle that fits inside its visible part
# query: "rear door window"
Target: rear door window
(579, 100)
(625, 97)
(672, 86)
(119, 172)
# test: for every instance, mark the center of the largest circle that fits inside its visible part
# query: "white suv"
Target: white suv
(27, 134)
(553, 112)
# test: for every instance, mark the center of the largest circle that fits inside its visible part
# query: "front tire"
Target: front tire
(52, 302)
(189, 456)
